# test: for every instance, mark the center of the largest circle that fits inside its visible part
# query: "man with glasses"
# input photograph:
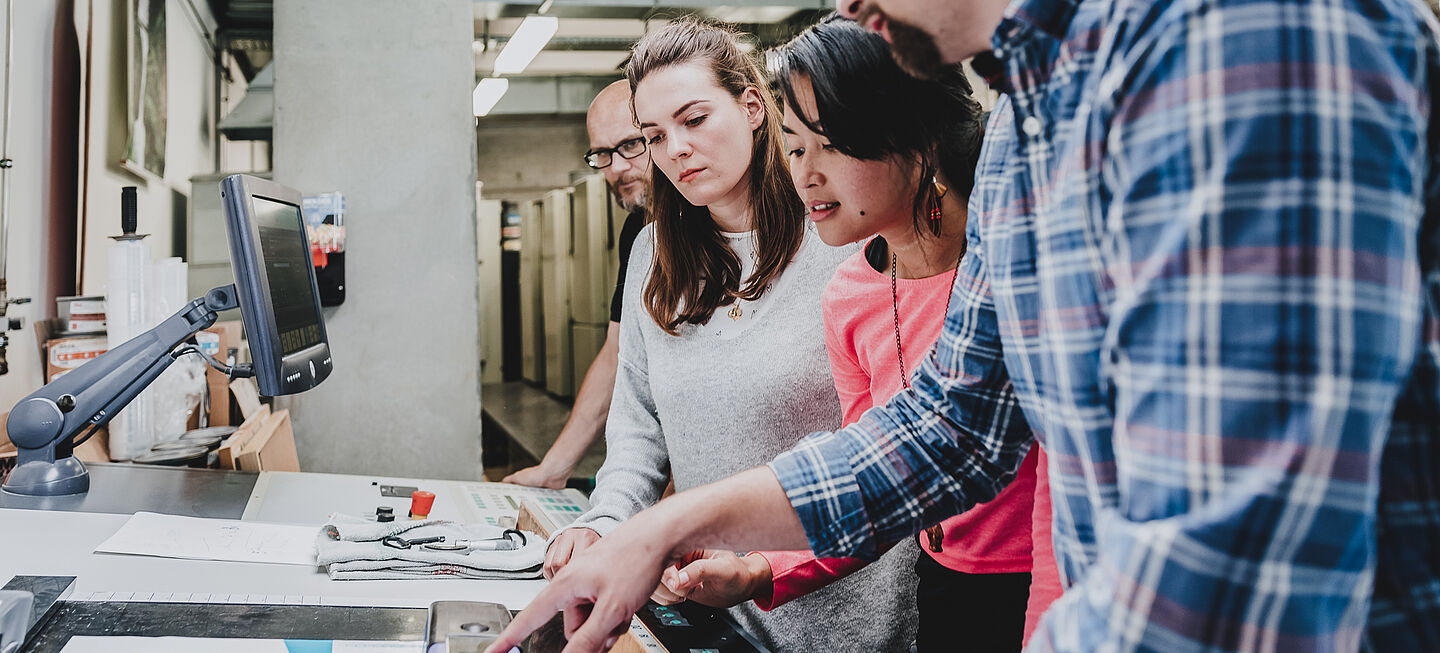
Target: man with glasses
(617, 150)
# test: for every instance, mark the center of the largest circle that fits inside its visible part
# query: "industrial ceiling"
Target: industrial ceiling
(591, 43)
(593, 37)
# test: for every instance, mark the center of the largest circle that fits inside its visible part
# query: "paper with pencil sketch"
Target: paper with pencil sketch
(196, 538)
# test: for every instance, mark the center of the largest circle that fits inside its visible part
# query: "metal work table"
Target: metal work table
(531, 419)
(116, 595)
(114, 619)
(222, 620)
(125, 489)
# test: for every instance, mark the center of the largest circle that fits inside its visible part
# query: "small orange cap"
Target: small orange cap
(421, 502)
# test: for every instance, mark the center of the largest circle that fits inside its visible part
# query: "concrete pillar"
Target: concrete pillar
(372, 99)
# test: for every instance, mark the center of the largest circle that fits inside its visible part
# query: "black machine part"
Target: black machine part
(46, 593)
(47, 425)
(705, 627)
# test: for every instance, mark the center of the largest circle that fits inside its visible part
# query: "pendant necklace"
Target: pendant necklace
(735, 311)
(935, 534)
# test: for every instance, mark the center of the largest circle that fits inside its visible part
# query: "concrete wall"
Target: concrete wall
(189, 147)
(523, 158)
(372, 98)
(30, 125)
(189, 151)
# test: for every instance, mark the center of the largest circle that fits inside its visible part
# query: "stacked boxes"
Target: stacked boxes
(532, 306)
(569, 260)
(555, 253)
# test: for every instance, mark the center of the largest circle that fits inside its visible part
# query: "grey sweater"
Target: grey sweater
(706, 408)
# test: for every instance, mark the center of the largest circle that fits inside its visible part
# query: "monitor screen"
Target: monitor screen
(282, 245)
(275, 285)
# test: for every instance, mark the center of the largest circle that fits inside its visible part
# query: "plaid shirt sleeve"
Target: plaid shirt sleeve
(1261, 193)
(955, 438)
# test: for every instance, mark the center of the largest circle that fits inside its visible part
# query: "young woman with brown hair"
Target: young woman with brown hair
(882, 157)
(727, 367)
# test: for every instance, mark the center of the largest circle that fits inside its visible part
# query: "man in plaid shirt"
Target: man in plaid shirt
(1204, 273)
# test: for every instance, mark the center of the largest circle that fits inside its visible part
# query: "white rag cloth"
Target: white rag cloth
(350, 548)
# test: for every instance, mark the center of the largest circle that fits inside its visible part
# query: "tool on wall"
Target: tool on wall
(7, 324)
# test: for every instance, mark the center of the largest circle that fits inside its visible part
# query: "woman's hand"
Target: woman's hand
(567, 545)
(719, 579)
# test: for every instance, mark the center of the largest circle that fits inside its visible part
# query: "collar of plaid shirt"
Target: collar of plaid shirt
(1195, 268)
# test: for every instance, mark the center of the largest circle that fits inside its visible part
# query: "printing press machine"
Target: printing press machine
(47, 545)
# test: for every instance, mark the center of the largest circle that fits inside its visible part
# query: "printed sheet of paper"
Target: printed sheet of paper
(88, 644)
(195, 538)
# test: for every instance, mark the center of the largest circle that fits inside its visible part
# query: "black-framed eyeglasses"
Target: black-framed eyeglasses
(600, 158)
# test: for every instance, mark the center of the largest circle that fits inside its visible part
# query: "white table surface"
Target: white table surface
(55, 543)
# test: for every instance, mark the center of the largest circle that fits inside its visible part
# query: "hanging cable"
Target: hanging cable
(230, 371)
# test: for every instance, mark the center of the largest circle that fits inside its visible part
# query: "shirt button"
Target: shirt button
(1031, 126)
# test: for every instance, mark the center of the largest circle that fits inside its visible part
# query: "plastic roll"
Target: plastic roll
(131, 431)
(175, 393)
(169, 275)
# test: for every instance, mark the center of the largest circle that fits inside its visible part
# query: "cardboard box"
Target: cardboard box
(247, 397)
(265, 442)
(86, 325)
(273, 447)
(80, 315)
(62, 354)
(236, 444)
(6, 446)
(96, 449)
(65, 354)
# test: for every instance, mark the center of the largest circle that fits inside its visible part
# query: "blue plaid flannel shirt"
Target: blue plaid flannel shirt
(1203, 275)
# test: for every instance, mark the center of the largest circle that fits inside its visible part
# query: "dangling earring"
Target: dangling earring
(939, 191)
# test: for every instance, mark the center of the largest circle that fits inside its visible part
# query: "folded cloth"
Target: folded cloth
(350, 548)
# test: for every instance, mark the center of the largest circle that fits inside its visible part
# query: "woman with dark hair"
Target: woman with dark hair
(876, 154)
(727, 367)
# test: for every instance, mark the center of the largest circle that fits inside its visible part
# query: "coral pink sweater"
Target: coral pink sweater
(990, 538)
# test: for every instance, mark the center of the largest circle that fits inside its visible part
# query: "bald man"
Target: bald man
(617, 150)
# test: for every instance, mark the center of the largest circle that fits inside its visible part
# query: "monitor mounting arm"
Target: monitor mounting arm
(44, 425)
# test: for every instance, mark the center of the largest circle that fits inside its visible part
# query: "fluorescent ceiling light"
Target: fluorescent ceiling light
(527, 41)
(487, 93)
(750, 14)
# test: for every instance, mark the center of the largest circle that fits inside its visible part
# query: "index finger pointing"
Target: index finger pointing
(605, 623)
(540, 612)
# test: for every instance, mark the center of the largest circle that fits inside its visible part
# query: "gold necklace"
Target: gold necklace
(935, 534)
(735, 311)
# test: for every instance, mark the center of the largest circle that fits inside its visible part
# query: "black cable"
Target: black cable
(233, 372)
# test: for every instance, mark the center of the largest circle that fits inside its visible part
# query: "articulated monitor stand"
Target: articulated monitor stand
(44, 425)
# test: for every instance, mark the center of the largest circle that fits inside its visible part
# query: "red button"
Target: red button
(420, 503)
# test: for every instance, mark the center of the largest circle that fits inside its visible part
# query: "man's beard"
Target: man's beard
(638, 203)
(915, 51)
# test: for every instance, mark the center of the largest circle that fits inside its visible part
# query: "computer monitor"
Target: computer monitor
(279, 300)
